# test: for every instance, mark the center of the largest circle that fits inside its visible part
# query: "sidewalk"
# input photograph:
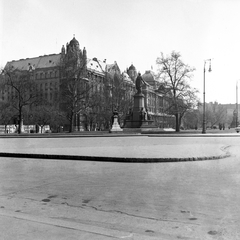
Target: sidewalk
(124, 148)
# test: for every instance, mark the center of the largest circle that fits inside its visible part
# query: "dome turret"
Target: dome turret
(132, 68)
(74, 42)
(132, 72)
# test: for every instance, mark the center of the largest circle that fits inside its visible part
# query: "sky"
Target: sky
(132, 32)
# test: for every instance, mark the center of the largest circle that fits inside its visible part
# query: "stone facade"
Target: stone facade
(156, 101)
(46, 72)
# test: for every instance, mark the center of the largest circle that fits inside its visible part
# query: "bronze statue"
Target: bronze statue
(139, 83)
(142, 114)
(148, 117)
(115, 115)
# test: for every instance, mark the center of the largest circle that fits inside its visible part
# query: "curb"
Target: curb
(110, 159)
(70, 135)
(110, 135)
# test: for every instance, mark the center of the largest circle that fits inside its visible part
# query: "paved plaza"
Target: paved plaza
(115, 147)
(65, 199)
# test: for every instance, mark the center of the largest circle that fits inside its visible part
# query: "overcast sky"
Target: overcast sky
(131, 32)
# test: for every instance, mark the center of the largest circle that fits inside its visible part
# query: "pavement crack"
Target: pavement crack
(139, 216)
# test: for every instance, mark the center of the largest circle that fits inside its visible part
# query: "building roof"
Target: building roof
(132, 67)
(46, 61)
(148, 76)
(96, 66)
(126, 77)
(53, 60)
(74, 42)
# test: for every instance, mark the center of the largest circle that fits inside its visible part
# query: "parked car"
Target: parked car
(237, 129)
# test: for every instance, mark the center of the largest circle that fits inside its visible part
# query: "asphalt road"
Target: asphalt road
(51, 199)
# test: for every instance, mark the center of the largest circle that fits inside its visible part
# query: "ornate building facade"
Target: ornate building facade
(116, 87)
(156, 101)
(48, 74)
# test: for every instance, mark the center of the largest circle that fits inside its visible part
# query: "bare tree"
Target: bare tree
(118, 95)
(175, 75)
(43, 114)
(7, 114)
(22, 90)
(216, 114)
(191, 119)
(76, 87)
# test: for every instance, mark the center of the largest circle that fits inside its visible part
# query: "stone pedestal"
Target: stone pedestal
(136, 119)
(138, 105)
(148, 124)
(115, 126)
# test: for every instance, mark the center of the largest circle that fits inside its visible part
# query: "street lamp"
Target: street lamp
(204, 107)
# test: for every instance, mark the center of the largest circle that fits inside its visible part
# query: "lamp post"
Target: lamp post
(204, 104)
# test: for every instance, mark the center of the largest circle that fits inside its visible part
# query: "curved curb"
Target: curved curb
(111, 159)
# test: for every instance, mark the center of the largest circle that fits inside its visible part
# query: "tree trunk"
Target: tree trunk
(72, 123)
(20, 122)
(180, 121)
(177, 122)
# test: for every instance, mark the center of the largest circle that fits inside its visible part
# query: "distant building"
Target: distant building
(156, 101)
(218, 114)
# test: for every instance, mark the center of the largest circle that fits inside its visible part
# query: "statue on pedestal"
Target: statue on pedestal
(139, 83)
(115, 115)
(115, 122)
